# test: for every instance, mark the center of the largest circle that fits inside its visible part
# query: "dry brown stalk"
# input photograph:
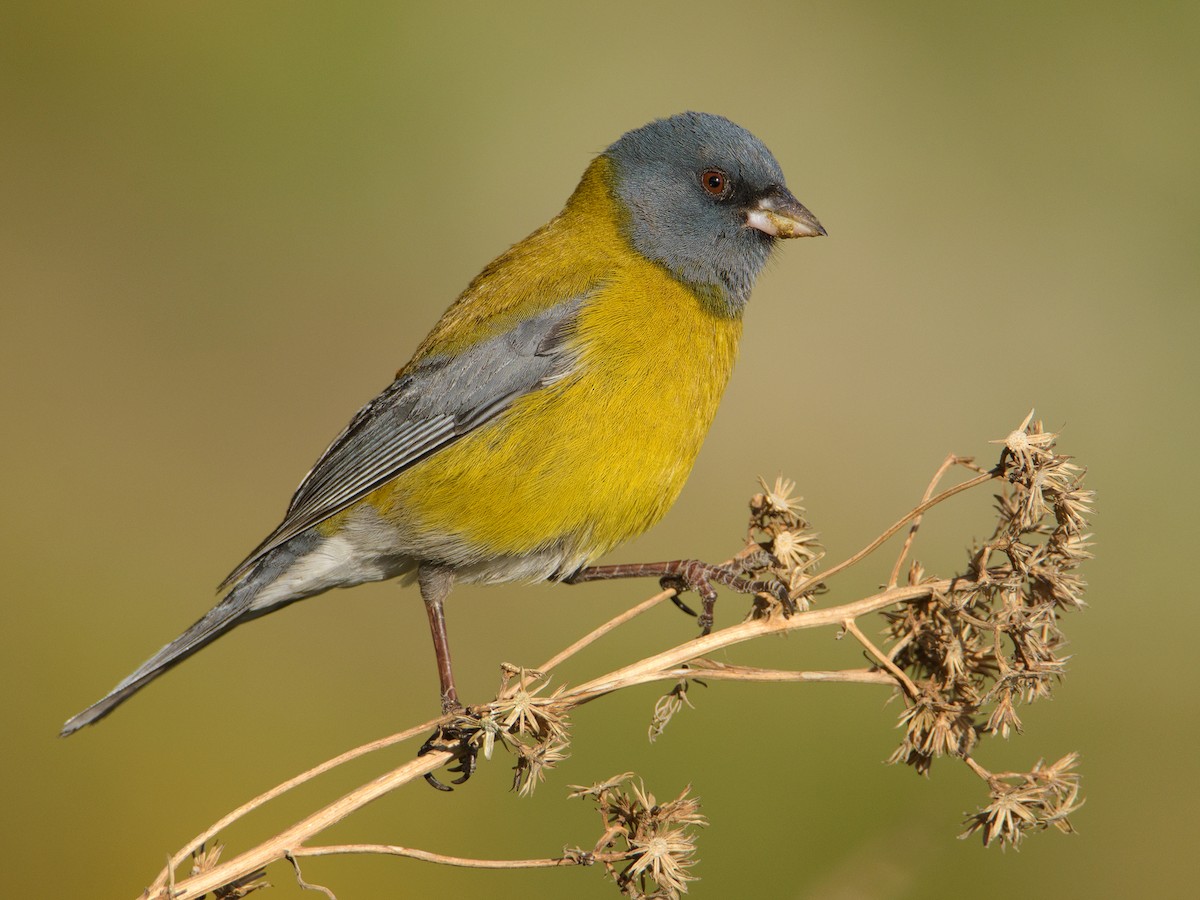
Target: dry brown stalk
(459, 861)
(986, 638)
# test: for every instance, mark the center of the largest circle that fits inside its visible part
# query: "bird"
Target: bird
(556, 408)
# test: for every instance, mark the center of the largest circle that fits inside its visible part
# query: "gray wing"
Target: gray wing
(430, 407)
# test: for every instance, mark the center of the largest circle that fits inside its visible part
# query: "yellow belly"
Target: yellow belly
(595, 458)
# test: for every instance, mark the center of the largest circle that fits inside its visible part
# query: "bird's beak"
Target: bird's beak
(779, 214)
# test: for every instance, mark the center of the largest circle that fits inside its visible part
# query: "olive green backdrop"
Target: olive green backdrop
(225, 225)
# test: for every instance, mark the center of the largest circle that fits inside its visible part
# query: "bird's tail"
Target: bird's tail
(238, 606)
(218, 620)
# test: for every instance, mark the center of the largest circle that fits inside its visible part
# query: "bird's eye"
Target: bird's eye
(714, 181)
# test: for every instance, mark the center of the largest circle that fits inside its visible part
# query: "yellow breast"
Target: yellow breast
(599, 456)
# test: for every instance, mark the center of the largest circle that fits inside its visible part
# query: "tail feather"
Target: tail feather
(221, 618)
(307, 564)
(237, 607)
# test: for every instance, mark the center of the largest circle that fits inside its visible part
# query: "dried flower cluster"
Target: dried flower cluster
(533, 727)
(647, 848)
(975, 652)
(790, 549)
(1024, 801)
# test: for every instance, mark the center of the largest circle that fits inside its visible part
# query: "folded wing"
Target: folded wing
(426, 409)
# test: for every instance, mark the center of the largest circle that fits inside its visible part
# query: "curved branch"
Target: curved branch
(686, 660)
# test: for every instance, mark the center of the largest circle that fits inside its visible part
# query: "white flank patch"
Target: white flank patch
(337, 561)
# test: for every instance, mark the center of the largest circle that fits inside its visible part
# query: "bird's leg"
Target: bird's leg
(689, 574)
(435, 583)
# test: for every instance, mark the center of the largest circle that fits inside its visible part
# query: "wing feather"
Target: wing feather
(425, 410)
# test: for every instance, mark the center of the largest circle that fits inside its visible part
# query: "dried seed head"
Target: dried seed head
(533, 761)
(992, 640)
(778, 500)
(1042, 798)
(647, 847)
(667, 706)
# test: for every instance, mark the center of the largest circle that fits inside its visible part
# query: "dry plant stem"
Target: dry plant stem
(670, 664)
(211, 832)
(304, 885)
(291, 840)
(580, 696)
(461, 861)
(720, 672)
(604, 629)
(662, 666)
(945, 467)
(618, 620)
(267, 796)
(851, 626)
(653, 668)
(883, 538)
(898, 646)
(979, 770)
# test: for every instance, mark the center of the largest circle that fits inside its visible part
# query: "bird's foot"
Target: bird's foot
(454, 737)
(694, 575)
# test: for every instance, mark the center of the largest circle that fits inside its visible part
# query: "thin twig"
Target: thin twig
(224, 822)
(293, 837)
(883, 538)
(461, 861)
(304, 885)
(899, 645)
(604, 629)
(896, 672)
(979, 770)
(579, 696)
(947, 463)
(720, 672)
(652, 667)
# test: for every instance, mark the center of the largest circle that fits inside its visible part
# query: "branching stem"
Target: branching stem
(883, 538)
(946, 465)
(689, 660)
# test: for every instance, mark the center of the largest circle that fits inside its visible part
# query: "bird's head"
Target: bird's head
(705, 199)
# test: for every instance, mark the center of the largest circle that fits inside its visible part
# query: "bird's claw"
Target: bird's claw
(456, 739)
(693, 578)
(694, 575)
(776, 589)
(663, 582)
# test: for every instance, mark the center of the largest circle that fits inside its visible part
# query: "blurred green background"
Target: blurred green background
(225, 225)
